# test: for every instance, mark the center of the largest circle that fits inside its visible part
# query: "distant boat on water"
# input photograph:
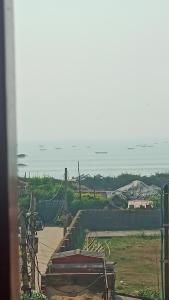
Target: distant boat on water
(101, 152)
(145, 146)
(21, 165)
(21, 155)
(130, 148)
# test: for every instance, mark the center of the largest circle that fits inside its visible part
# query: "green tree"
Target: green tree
(156, 200)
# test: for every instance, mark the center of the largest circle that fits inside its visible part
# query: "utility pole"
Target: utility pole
(23, 244)
(94, 191)
(65, 192)
(166, 241)
(65, 203)
(79, 181)
(32, 239)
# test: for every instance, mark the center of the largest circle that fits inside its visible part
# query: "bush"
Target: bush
(149, 293)
(88, 202)
(156, 200)
(35, 296)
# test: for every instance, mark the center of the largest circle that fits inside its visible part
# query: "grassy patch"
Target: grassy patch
(138, 262)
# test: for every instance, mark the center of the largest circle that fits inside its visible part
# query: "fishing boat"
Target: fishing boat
(101, 152)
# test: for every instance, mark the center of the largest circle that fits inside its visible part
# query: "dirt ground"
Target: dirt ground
(86, 296)
(51, 294)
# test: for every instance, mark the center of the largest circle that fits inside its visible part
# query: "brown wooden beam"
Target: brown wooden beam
(166, 240)
(8, 208)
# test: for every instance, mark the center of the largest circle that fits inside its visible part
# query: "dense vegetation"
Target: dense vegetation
(112, 183)
(42, 188)
(47, 187)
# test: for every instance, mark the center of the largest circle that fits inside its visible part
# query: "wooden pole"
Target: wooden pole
(65, 192)
(32, 240)
(106, 281)
(94, 189)
(79, 180)
(65, 205)
(23, 245)
(166, 243)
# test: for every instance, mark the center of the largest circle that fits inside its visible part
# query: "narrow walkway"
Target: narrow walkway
(122, 233)
(49, 238)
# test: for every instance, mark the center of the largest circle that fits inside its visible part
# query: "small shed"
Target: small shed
(88, 270)
(140, 203)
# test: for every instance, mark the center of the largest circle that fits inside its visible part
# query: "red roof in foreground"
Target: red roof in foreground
(77, 252)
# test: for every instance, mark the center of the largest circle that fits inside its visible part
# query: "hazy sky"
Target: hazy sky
(92, 69)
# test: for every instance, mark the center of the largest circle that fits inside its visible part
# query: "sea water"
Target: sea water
(107, 158)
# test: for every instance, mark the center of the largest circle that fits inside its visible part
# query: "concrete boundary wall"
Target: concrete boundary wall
(108, 220)
(74, 236)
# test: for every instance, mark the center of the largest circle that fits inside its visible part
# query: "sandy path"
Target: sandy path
(49, 239)
(122, 233)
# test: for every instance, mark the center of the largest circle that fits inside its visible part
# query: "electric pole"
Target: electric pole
(32, 239)
(65, 192)
(94, 191)
(23, 245)
(79, 181)
(166, 241)
(65, 203)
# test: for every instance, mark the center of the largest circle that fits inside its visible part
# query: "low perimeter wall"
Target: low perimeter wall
(130, 219)
(108, 220)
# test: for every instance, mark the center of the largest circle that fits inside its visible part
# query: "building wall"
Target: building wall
(140, 203)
